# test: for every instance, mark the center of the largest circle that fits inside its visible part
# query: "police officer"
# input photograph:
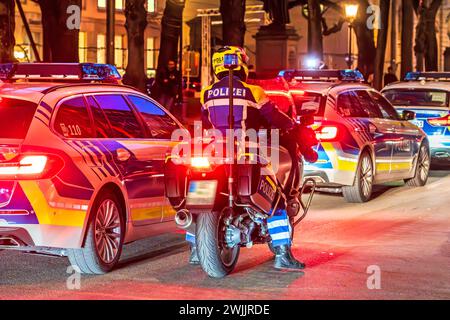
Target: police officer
(252, 110)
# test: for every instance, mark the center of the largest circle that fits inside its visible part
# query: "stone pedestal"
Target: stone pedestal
(276, 49)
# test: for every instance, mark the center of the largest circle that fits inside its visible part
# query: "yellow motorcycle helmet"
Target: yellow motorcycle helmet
(218, 62)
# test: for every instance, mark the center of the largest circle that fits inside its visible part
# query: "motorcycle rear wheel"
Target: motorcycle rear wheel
(216, 259)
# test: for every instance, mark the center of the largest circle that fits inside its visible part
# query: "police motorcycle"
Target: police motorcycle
(225, 202)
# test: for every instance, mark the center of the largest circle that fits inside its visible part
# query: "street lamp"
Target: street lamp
(351, 10)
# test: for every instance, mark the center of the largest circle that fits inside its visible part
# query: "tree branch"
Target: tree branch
(435, 5)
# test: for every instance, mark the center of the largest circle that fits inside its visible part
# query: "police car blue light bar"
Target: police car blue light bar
(430, 76)
(59, 71)
(322, 75)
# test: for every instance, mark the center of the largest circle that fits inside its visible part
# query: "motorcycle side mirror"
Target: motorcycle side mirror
(408, 115)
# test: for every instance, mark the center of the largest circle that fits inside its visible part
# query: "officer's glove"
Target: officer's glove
(306, 140)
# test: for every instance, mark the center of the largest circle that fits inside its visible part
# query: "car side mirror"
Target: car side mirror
(306, 120)
(408, 115)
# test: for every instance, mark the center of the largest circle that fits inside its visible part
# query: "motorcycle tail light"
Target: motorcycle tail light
(200, 163)
(440, 122)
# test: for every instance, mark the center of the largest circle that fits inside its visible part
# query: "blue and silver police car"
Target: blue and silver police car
(427, 94)
(81, 163)
(363, 140)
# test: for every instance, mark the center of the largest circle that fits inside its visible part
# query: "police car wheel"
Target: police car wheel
(422, 168)
(104, 239)
(361, 191)
(216, 259)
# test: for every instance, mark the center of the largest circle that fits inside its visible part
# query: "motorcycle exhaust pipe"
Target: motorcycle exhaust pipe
(183, 219)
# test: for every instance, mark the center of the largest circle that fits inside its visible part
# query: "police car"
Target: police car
(81, 163)
(277, 90)
(427, 94)
(363, 140)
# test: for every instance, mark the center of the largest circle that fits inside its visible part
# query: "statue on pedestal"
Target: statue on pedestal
(278, 11)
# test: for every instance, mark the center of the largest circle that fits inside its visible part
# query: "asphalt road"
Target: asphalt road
(398, 245)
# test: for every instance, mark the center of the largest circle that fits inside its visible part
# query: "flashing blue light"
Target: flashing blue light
(6, 70)
(322, 75)
(431, 75)
(97, 71)
(411, 76)
(59, 71)
(312, 63)
(351, 75)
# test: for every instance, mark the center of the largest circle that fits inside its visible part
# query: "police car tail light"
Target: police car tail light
(327, 133)
(200, 163)
(440, 122)
(30, 167)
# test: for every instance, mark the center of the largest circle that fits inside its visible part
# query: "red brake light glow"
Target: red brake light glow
(200, 163)
(326, 133)
(28, 167)
(440, 122)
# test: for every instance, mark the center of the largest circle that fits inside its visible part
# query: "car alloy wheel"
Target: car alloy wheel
(366, 176)
(107, 231)
(424, 163)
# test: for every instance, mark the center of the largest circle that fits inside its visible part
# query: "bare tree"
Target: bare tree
(315, 41)
(233, 28)
(7, 26)
(171, 25)
(365, 40)
(60, 40)
(381, 44)
(136, 21)
(407, 36)
(426, 47)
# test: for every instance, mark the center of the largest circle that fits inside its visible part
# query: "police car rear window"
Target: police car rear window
(72, 119)
(422, 98)
(15, 117)
(308, 103)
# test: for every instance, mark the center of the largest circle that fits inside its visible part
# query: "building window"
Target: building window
(101, 48)
(151, 6)
(118, 51)
(101, 4)
(150, 54)
(82, 46)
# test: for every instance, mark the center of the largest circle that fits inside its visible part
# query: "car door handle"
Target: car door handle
(123, 154)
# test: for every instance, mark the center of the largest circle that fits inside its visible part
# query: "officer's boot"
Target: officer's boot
(193, 259)
(284, 260)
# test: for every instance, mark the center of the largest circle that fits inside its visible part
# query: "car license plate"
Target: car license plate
(418, 123)
(202, 192)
